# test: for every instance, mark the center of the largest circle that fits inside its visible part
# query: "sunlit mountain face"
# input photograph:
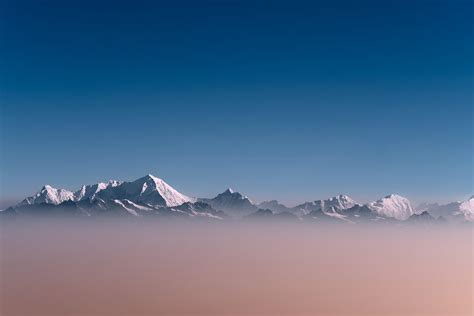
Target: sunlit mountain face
(151, 196)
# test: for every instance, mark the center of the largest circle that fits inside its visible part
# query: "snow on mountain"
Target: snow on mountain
(467, 209)
(90, 191)
(148, 190)
(455, 211)
(394, 206)
(197, 209)
(231, 202)
(151, 195)
(362, 213)
(134, 208)
(320, 216)
(337, 203)
(128, 209)
(49, 195)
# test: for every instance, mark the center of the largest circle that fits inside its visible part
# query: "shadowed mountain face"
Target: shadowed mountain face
(67, 208)
(274, 206)
(115, 208)
(320, 216)
(232, 203)
(455, 211)
(334, 204)
(424, 217)
(147, 196)
(362, 213)
(151, 196)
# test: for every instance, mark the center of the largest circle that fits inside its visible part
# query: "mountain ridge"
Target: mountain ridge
(152, 195)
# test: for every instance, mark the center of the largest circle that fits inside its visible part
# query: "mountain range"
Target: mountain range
(151, 196)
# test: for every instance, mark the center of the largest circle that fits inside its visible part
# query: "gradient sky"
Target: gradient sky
(295, 101)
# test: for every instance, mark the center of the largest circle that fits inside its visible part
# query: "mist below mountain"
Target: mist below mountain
(150, 196)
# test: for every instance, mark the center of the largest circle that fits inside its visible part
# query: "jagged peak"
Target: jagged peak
(151, 184)
(395, 196)
(229, 190)
(341, 197)
(152, 177)
(49, 195)
(47, 187)
(393, 205)
(149, 177)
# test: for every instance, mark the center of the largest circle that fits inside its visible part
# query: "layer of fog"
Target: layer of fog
(117, 267)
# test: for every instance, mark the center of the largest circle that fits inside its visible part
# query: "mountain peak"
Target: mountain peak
(154, 191)
(394, 196)
(342, 198)
(339, 203)
(230, 192)
(149, 190)
(91, 191)
(393, 205)
(234, 202)
(149, 177)
(49, 195)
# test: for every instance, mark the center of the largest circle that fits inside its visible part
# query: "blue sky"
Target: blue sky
(295, 101)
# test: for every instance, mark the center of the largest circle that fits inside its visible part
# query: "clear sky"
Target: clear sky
(291, 100)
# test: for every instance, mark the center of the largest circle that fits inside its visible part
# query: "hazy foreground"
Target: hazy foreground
(118, 268)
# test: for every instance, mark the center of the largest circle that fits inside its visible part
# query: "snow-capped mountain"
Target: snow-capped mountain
(148, 190)
(393, 205)
(49, 195)
(455, 211)
(274, 206)
(329, 215)
(331, 205)
(197, 210)
(90, 191)
(151, 196)
(232, 203)
(467, 209)
(147, 196)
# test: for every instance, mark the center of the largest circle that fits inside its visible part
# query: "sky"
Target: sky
(289, 100)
